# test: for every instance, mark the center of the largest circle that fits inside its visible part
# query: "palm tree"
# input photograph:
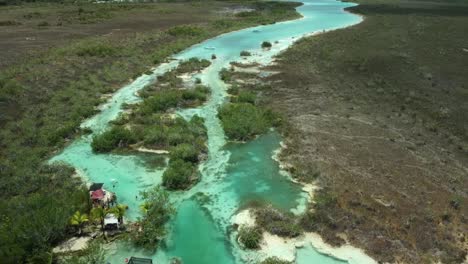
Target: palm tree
(99, 213)
(120, 210)
(144, 207)
(78, 220)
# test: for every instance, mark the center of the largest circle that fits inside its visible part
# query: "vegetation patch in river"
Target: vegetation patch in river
(150, 124)
(274, 260)
(157, 209)
(242, 119)
(250, 237)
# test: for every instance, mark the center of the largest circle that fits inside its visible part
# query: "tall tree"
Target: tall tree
(78, 219)
(120, 210)
(99, 213)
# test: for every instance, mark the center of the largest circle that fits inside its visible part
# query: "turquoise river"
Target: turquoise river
(233, 174)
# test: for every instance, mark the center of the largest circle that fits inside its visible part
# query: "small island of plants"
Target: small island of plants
(152, 125)
(243, 118)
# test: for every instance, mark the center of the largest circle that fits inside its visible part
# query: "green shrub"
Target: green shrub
(225, 75)
(246, 97)
(9, 23)
(278, 223)
(250, 237)
(274, 260)
(95, 49)
(223, 23)
(43, 24)
(242, 121)
(199, 93)
(323, 207)
(193, 65)
(179, 175)
(10, 88)
(324, 199)
(161, 102)
(233, 90)
(65, 130)
(266, 45)
(185, 151)
(171, 78)
(156, 136)
(111, 139)
(185, 30)
(245, 53)
(157, 210)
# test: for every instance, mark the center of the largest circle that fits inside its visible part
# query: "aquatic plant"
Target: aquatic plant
(250, 237)
(184, 151)
(192, 65)
(161, 102)
(274, 260)
(158, 210)
(199, 93)
(117, 136)
(186, 30)
(179, 175)
(266, 45)
(242, 121)
(225, 75)
(277, 222)
(94, 48)
(245, 53)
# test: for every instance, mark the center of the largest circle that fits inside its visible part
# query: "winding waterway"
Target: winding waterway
(233, 174)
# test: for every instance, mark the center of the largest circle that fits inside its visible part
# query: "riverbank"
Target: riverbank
(287, 248)
(375, 115)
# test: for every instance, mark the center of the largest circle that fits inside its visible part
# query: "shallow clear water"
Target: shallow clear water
(233, 174)
(253, 176)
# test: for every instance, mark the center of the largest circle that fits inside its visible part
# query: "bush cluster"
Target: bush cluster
(95, 48)
(245, 97)
(250, 237)
(245, 53)
(157, 209)
(193, 65)
(266, 45)
(274, 260)
(186, 30)
(243, 121)
(325, 204)
(116, 137)
(179, 174)
(225, 75)
(278, 223)
(153, 129)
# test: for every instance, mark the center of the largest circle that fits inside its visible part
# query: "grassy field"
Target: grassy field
(59, 62)
(378, 118)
